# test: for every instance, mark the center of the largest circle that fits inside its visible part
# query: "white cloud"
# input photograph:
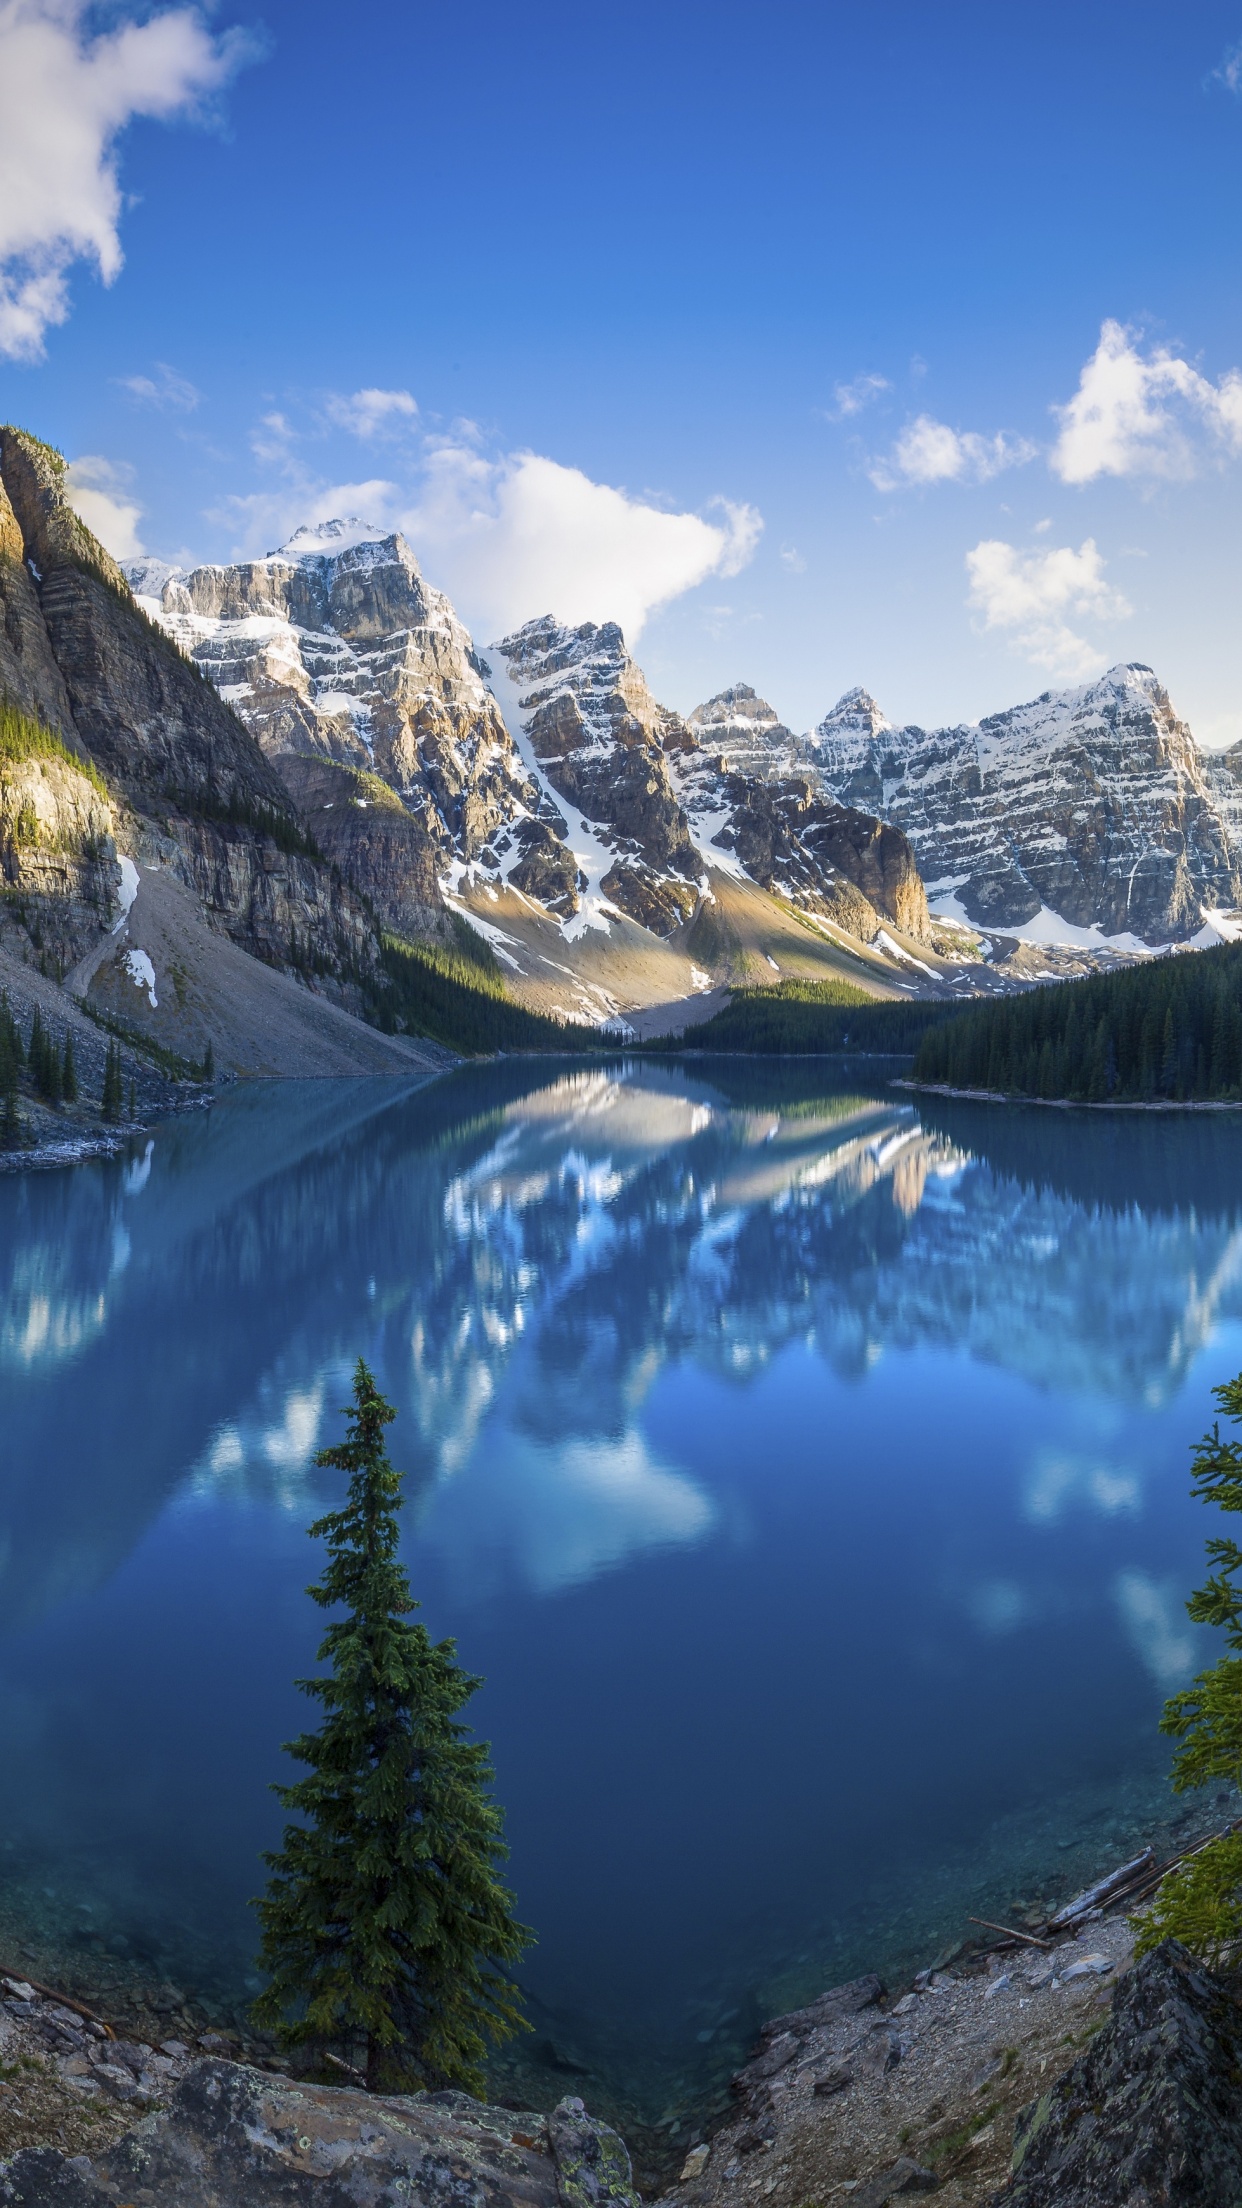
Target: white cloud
(171, 393)
(792, 559)
(507, 535)
(1029, 594)
(1229, 72)
(64, 99)
(928, 451)
(522, 535)
(852, 397)
(98, 490)
(370, 413)
(557, 1518)
(1136, 414)
(1155, 1619)
(262, 520)
(1060, 1479)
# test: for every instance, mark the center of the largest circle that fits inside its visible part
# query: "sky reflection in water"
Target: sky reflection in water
(807, 1473)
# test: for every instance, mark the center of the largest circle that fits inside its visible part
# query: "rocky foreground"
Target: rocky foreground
(1063, 2077)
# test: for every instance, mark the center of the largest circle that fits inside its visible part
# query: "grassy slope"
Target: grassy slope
(803, 1017)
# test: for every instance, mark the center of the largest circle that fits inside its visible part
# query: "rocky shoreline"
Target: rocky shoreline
(1067, 1103)
(862, 2096)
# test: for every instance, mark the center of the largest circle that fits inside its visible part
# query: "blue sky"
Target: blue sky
(775, 333)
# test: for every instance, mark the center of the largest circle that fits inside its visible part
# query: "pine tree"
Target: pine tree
(110, 1101)
(385, 1926)
(1201, 1902)
(209, 1062)
(69, 1072)
(133, 1099)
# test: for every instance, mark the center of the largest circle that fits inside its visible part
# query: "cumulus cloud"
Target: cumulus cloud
(521, 535)
(852, 397)
(509, 535)
(370, 413)
(1144, 414)
(1030, 596)
(65, 97)
(928, 451)
(99, 490)
(171, 393)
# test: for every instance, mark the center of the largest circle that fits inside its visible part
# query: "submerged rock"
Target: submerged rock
(1152, 2112)
(237, 2138)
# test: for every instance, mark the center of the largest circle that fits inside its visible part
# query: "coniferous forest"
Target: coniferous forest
(1169, 1030)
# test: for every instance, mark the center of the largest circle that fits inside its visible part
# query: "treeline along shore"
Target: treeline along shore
(1168, 1031)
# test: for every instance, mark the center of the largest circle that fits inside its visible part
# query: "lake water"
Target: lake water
(804, 1465)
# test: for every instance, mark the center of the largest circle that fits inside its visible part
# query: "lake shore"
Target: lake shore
(1062, 1103)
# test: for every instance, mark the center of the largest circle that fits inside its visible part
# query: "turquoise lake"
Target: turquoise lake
(803, 1464)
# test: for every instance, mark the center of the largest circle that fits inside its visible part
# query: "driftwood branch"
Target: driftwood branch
(1009, 1932)
(65, 2000)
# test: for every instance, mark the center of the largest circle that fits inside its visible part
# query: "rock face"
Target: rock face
(746, 731)
(238, 2138)
(57, 856)
(601, 740)
(336, 648)
(362, 826)
(828, 857)
(668, 799)
(199, 796)
(1095, 803)
(1151, 2113)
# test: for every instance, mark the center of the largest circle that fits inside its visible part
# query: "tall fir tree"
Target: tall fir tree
(1200, 1903)
(386, 1928)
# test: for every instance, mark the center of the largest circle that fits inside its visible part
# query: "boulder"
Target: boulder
(1150, 2116)
(238, 2138)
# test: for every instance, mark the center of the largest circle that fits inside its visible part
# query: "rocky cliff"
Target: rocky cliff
(1094, 806)
(671, 805)
(195, 790)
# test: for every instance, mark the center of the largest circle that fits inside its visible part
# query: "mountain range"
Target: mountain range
(286, 761)
(1085, 814)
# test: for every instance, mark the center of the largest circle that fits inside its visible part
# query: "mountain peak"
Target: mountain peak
(856, 711)
(317, 540)
(737, 707)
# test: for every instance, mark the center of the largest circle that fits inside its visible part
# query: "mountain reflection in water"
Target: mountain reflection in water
(804, 1465)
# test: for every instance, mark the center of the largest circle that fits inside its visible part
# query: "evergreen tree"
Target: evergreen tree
(110, 1101)
(69, 1072)
(209, 1062)
(1201, 1902)
(133, 1099)
(386, 1927)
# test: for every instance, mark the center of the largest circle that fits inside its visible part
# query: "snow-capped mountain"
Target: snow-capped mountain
(673, 806)
(1092, 807)
(335, 648)
(546, 779)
